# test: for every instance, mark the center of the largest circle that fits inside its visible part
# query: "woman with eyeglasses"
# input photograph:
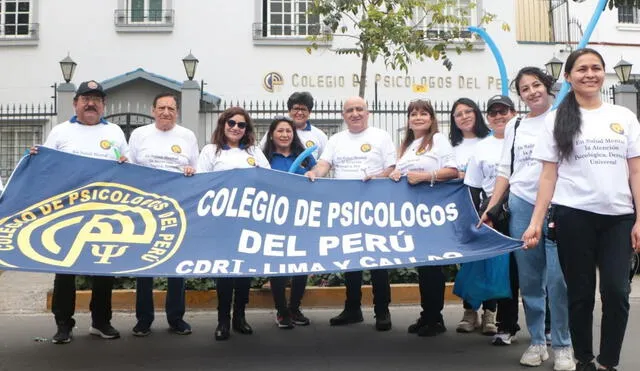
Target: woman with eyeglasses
(590, 154)
(467, 128)
(426, 156)
(281, 148)
(232, 147)
(539, 273)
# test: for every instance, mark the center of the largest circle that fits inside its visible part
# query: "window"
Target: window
(144, 16)
(15, 19)
(287, 19)
(461, 9)
(628, 14)
(146, 10)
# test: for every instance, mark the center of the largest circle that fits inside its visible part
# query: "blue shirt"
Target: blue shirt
(280, 162)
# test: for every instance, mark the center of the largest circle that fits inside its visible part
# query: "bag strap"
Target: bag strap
(513, 145)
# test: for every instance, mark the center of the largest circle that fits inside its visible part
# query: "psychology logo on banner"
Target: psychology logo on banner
(70, 214)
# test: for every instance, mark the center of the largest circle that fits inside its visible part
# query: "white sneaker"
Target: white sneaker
(534, 355)
(563, 359)
(469, 321)
(489, 323)
(503, 338)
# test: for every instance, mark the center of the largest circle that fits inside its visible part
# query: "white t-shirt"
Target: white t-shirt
(354, 156)
(463, 152)
(98, 141)
(595, 177)
(483, 165)
(230, 158)
(170, 150)
(438, 156)
(526, 170)
(309, 136)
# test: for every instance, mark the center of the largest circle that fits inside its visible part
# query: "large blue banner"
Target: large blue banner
(69, 214)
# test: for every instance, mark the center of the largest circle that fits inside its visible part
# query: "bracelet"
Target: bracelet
(433, 177)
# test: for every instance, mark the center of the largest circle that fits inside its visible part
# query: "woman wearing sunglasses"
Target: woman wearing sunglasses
(282, 147)
(232, 147)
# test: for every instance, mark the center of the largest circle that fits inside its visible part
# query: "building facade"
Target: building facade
(253, 52)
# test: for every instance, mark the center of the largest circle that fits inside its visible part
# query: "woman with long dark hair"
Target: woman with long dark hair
(281, 148)
(590, 153)
(426, 156)
(539, 273)
(466, 130)
(232, 147)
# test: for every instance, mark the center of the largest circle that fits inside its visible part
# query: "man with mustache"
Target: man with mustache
(86, 134)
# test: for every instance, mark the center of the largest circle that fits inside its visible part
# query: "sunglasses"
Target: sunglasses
(233, 123)
(493, 113)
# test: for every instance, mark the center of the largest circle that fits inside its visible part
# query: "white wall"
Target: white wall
(219, 34)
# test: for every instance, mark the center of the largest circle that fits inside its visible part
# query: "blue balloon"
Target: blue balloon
(496, 54)
(602, 4)
(306, 153)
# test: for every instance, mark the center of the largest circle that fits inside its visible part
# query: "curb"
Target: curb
(314, 297)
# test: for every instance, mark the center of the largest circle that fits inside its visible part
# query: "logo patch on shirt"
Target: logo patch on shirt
(365, 147)
(105, 144)
(309, 144)
(251, 161)
(176, 149)
(617, 128)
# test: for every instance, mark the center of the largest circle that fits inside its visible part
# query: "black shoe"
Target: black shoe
(104, 331)
(432, 329)
(239, 324)
(283, 320)
(64, 335)
(346, 317)
(180, 327)
(588, 366)
(141, 329)
(298, 318)
(414, 328)
(383, 321)
(222, 331)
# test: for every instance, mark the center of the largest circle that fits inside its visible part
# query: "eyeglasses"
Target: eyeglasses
(465, 112)
(503, 111)
(302, 109)
(233, 123)
(90, 98)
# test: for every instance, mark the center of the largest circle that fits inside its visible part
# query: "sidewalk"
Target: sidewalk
(25, 292)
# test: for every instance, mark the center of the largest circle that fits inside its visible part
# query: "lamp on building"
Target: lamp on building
(554, 67)
(68, 66)
(623, 71)
(190, 63)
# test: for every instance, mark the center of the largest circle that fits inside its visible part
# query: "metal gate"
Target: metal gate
(129, 121)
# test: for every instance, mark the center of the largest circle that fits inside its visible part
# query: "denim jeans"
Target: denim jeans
(539, 275)
(174, 304)
(585, 241)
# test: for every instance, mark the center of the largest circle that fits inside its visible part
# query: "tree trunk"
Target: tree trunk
(363, 71)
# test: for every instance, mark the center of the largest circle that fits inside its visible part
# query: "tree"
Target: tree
(394, 30)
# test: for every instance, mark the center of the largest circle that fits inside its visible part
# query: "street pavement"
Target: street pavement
(25, 344)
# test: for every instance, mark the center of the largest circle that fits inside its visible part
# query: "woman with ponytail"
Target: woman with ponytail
(590, 154)
(539, 273)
